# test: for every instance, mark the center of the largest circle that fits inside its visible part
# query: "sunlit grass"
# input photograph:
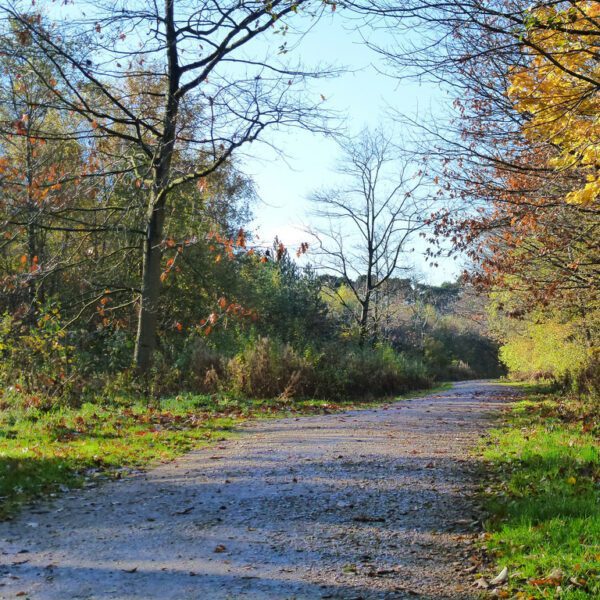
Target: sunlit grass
(546, 506)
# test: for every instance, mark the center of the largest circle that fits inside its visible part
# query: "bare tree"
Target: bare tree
(169, 81)
(366, 224)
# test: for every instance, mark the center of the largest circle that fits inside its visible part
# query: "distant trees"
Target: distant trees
(161, 96)
(366, 224)
(447, 326)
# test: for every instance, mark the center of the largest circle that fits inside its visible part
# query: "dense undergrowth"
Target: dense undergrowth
(545, 499)
(47, 364)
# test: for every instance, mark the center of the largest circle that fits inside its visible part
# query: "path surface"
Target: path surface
(366, 504)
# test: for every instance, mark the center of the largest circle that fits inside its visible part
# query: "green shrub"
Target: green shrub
(588, 378)
(37, 368)
(381, 371)
(547, 347)
(349, 371)
(36, 359)
(268, 368)
(549, 350)
(202, 366)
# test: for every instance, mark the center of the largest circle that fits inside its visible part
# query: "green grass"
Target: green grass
(545, 503)
(45, 451)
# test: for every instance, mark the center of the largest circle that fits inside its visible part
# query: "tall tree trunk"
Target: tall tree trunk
(146, 339)
(32, 218)
(31, 264)
(366, 303)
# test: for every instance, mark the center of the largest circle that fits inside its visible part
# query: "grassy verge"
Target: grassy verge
(45, 451)
(545, 502)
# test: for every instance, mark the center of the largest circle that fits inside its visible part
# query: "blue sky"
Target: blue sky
(365, 96)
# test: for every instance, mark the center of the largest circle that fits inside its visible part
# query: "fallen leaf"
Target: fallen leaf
(367, 519)
(500, 578)
(556, 574)
(544, 581)
(554, 578)
(184, 511)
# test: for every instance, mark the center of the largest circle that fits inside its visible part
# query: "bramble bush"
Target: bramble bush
(42, 361)
(268, 368)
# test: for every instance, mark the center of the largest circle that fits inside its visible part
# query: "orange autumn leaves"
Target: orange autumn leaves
(536, 234)
(225, 308)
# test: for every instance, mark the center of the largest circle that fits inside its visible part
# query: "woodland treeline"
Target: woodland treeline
(126, 257)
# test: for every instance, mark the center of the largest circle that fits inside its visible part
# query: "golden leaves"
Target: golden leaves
(557, 90)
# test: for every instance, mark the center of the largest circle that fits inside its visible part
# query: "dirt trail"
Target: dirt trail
(366, 504)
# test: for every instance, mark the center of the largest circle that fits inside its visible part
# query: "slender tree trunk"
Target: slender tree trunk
(146, 339)
(366, 303)
(31, 262)
(32, 250)
(364, 319)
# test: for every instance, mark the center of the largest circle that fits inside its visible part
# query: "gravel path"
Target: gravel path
(370, 504)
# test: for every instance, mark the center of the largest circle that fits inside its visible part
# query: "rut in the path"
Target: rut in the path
(366, 504)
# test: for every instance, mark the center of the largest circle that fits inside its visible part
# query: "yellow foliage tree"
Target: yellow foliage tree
(558, 89)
